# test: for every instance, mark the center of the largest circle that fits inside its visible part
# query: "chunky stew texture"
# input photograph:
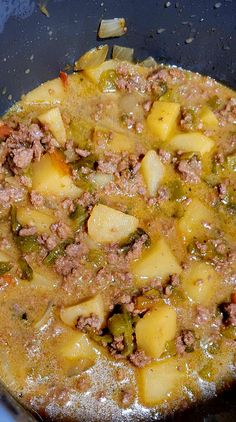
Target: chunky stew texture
(117, 243)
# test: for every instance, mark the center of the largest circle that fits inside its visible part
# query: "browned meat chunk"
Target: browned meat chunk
(117, 346)
(190, 170)
(229, 312)
(185, 342)
(202, 314)
(8, 195)
(25, 144)
(27, 231)
(91, 322)
(228, 113)
(36, 199)
(60, 229)
(139, 359)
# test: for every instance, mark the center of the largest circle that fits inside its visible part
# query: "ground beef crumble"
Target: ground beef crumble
(49, 242)
(26, 144)
(127, 395)
(202, 314)
(190, 170)
(9, 195)
(185, 342)
(36, 199)
(229, 313)
(228, 113)
(27, 231)
(139, 359)
(174, 281)
(91, 322)
(60, 229)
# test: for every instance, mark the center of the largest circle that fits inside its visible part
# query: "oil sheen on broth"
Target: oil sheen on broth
(117, 253)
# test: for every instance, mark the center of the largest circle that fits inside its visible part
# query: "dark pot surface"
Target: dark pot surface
(35, 48)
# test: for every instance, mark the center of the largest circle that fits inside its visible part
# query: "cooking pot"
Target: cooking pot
(195, 34)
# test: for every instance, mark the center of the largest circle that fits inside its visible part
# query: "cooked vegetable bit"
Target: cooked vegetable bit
(27, 244)
(79, 216)
(26, 270)
(123, 53)
(15, 225)
(112, 28)
(5, 267)
(92, 58)
(56, 252)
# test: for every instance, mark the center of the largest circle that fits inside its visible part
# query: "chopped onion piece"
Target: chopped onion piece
(112, 28)
(44, 320)
(123, 53)
(148, 62)
(92, 58)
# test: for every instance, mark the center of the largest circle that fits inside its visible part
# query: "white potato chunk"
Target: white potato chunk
(86, 308)
(106, 224)
(162, 118)
(156, 328)
(191, 224)
(53, 120)
(158, 261)
(40, 219)
(95, 73)
(44, 280)
(114, 141)
(77, 346)
(200, 283)
(208, 118)
(101, 179)
(152, 170)
(160, 380)
(51, 176)
(192, 142)
(78, 352)
(50, 92)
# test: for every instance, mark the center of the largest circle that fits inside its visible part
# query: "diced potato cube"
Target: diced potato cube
(192, 142)
(152, 170)
(101, 179)
(53, 120)
(94, 306)
(94, 74)
(156, 328)
(159, 381)
(118, 142)
(50, 92)
(44, 280)
(200, 283)
(158, 261)
(78, 345)
(208, 118)
(106, 224)
(50, 176)
(162, 118)
(39, 219)
(78, 348)
(191, 224)
(121, 142)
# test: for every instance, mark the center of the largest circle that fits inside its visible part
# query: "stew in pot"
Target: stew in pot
(117, 242)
